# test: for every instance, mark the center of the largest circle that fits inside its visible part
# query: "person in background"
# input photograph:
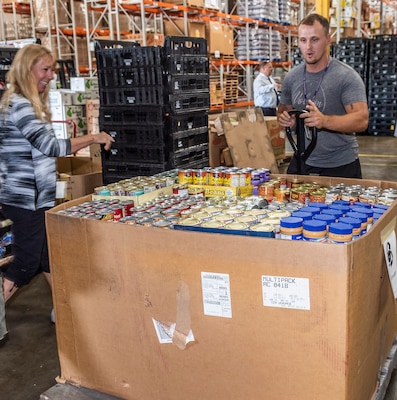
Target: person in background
(334, 96)
(28, 151)
(266, 90)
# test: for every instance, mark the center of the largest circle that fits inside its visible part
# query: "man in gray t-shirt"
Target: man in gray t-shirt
(334, 96)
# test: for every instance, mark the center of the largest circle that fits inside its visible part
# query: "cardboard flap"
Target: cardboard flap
(249, 141)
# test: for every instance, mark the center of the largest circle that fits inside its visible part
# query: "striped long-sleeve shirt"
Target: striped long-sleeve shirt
(28, 148)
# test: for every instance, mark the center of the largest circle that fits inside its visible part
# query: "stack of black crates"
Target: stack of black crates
(382, 85)
(154, 101)
(354, 52)
(376, 61)
(187, 81)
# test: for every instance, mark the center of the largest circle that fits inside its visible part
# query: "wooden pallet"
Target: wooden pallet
(225, 57)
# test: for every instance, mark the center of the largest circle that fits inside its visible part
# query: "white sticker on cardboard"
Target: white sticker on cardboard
(286, 292)
(165, 332)
(389, 248)
(216, 294)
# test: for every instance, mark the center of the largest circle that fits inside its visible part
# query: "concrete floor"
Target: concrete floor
(29, 360)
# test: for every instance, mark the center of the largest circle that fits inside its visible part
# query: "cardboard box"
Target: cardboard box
(220, 38)
(277, 137)
(115, 284)
(175, 27)
(248, 139)
(189, 3)
(216, 140)
(78, 176)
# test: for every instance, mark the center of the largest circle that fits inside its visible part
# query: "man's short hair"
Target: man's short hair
(312, 18)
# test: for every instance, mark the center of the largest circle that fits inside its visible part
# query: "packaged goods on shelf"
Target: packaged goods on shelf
(161, 277)
(265, 10)
(264, 44)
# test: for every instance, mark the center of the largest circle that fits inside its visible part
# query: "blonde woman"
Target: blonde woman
(28, 151)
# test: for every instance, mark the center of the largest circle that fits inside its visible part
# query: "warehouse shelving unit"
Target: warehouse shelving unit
(151, 15)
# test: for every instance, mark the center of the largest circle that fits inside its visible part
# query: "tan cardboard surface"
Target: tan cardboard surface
(277, 137)
(124, 276)
(249, 141)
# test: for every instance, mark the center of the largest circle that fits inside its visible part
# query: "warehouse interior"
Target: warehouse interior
(170, 81)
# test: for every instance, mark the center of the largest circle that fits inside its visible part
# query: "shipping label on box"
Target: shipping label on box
(83, 84)
(60, 98)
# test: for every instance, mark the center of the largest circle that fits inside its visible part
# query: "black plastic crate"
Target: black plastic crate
(106, 50)
(127, 77)
(178, 45)
(380, 77)
(114, 171)
(143, 95)
(183, 140)
(189, 102)
(192, 156)
(131, 55)
(186, 65)
(382, 69)
(149, 154)
(190, 83)
(186, 121)
(131, 115)
(381, 95)
(139, 135)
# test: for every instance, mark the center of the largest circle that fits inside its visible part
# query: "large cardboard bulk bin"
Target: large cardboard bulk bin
(147, 313)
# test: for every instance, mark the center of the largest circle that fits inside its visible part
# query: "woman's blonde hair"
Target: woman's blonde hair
(20, 80)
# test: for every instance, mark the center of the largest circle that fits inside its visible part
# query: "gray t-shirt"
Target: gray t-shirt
(331, 90)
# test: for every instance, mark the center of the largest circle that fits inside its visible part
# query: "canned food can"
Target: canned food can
(165, 224)
(216, 178)
(301, 195)
(199, 177)
(266, 190)
(282, 194)
(238, 226)
(106, 214)
(117, 212)
(232, 179)
(102, 191)
(214, 224)
(128, 206)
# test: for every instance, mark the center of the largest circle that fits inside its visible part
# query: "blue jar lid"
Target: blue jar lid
(301, 214)
(377, 216)
(361, 204)
(327, 218)
(363, 210)
(339, 228)
(311, 209)
(381, 206)
(291, 222)
(342, 202)
(319, 205)
(362, 217)
(356, 223)
(336, 213)
(315, 225)
(340, 207)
